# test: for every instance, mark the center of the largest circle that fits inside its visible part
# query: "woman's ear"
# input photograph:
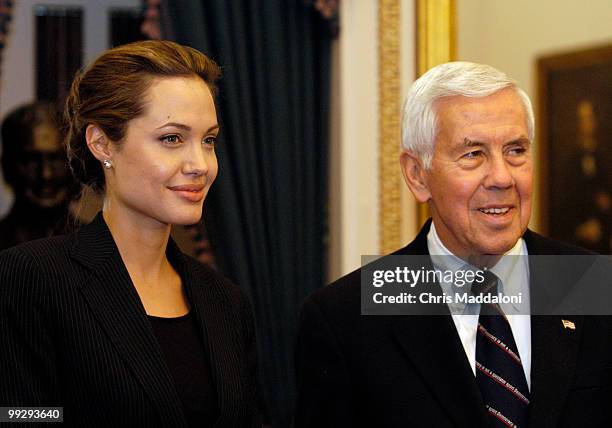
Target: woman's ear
(414, 175)
(98, 143)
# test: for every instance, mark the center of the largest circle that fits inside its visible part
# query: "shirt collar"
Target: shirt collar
(507, 268)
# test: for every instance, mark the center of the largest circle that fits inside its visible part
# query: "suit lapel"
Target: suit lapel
(433, 345)
(554, 348)
(114, 302)
(213, 311)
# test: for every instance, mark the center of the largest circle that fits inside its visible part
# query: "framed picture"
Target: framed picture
(575, 130)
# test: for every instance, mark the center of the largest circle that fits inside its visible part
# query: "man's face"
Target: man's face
(480, 180)
(44, 170)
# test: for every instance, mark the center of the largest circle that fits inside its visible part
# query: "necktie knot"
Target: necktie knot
(487, 286)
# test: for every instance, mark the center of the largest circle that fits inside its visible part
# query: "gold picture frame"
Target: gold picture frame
(575, 146)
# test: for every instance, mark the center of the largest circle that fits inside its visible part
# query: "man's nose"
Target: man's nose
(499, 174)
(46, 171)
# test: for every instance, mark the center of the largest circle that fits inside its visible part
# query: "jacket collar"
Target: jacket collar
(112, 298)
(114, 301)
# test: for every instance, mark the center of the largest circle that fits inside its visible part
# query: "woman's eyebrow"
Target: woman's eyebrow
(176, 125)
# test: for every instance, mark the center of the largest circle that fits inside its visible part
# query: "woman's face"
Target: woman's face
(163, 168)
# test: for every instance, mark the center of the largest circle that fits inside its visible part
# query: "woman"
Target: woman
(113, 322)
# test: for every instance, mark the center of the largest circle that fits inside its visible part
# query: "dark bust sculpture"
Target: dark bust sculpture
(35, 166)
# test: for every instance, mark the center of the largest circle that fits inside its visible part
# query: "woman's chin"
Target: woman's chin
(185, 217)
(188, 221)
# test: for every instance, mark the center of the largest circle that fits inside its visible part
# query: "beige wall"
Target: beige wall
(510, 35)
(354, 216)
(353, 192)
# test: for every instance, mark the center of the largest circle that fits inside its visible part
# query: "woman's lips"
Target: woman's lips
(189, 192)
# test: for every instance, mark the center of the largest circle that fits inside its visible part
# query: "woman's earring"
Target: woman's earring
(107, 163)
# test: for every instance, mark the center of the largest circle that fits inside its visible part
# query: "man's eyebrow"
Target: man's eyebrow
(469, 143)
(520, 140)
(473, 143)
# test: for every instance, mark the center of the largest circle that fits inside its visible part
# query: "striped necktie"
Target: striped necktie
(499, 371)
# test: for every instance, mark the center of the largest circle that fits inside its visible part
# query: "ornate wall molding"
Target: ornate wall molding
(6, 13)
(435, 44)
(389, 87)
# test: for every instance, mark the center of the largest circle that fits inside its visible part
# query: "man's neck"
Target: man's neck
(436, 246)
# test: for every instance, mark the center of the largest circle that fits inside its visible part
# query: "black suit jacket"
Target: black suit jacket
(74, 333)
(412, 371)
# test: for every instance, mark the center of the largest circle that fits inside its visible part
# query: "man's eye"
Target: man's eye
(210, 141)
(517, 151)
(171, 139)
(472, 155)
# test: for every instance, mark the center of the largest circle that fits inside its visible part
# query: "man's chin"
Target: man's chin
(499, 247)
(48, 201)
(498, 239)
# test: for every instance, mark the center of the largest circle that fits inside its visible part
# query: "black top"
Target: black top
(188, 362)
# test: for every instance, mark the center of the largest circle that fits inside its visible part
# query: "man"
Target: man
(467, 140)
(35, 166)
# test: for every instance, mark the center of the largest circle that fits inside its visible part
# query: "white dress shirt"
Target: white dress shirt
(513, 272)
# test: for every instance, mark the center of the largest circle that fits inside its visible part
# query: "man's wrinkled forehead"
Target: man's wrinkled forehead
(45, 138)
(503, 106)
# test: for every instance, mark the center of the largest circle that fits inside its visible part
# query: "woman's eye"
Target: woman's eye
(210, 141)
(171, 139)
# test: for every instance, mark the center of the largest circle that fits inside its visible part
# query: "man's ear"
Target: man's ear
(98, 143)
(414, 175)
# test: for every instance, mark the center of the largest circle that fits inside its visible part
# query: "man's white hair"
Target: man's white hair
(468, 79)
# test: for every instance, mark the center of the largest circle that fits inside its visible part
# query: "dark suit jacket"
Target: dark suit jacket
(412, 371)
(74, 333)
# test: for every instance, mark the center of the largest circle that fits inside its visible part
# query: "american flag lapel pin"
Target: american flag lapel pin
(567, 324)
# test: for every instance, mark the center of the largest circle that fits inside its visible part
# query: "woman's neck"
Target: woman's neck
(141, 241)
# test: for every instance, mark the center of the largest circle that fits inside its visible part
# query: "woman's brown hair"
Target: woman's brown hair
(111, 92)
